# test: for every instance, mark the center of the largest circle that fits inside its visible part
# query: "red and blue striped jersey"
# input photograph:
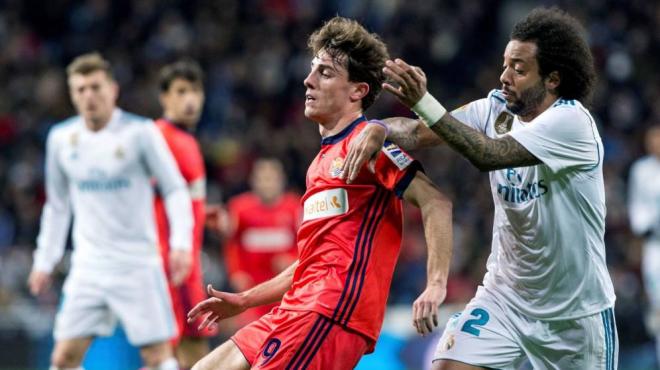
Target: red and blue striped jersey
(350, 237)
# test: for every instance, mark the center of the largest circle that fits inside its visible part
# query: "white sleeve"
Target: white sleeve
(172, 186)
(474, 114)
(562, 137)
(56, 214)
(643, 209)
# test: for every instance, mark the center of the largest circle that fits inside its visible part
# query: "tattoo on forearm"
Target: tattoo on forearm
(485, 153)
(404, 132)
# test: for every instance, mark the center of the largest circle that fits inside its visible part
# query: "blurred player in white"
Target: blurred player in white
(99, 166)
(547, 295)
(644, 213)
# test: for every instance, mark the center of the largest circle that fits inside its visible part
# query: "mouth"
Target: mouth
(508, 95)
(308, 98)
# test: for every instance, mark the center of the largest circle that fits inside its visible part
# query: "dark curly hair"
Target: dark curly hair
(351, 45)
(562, 47)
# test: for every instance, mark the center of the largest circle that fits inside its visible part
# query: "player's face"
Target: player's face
(183, 101)
(268, 180)
(522, 85)
(329, 92)
(653, 141)
(94, 95)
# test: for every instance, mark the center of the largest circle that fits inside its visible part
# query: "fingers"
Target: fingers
(208, 322)
(396, 91)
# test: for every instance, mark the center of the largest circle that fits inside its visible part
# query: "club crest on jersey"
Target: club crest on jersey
(73, 139)
(396, 155)
(119, 153)
(503, 123)
(335, 167)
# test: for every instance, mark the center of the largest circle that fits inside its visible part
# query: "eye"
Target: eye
(519, 71)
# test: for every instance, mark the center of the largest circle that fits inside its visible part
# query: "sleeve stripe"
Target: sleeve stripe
(405, 181)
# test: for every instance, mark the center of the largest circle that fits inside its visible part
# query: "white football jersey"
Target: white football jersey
(548, 252)
(104, 179)
(644, 197)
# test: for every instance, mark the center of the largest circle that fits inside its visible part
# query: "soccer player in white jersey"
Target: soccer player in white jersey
(644, 213)
(547, 295)
(99, 166)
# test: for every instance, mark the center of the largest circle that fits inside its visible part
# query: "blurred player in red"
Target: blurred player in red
(334, 296)
(262, 231)
(182, 99)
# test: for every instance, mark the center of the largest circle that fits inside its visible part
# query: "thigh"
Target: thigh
(586, 343)
(83, 311)
(225, 357)
(140, 299)
(481, 336)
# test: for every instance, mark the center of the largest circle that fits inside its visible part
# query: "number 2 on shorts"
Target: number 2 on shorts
(482, 318)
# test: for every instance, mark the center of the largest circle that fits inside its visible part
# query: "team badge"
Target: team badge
(335, 167)
(448, 342)
(119, 153)
(503, 123)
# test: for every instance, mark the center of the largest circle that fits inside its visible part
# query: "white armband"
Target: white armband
(429, 109)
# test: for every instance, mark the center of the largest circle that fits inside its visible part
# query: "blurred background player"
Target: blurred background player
(262, 226)
(644, 211)
(182, 98)
(99, 166)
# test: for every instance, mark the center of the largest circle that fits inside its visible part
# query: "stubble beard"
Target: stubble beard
(530, 99)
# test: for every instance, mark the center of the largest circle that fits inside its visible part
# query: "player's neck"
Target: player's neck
(96, 125)
(547, 102)
(335, 126)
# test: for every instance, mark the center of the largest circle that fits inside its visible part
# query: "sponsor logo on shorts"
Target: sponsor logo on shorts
(333, 202)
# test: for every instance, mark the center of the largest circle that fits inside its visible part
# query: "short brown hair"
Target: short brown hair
(363, 53)
(88, 63)
(186, 69)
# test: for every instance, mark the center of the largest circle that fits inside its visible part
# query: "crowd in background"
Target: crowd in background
(255, 58)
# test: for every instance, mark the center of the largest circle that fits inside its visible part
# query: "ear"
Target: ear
(359, 91)
(552, 81)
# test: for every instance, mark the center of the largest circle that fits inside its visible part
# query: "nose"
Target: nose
(505, 77)
(308, 81)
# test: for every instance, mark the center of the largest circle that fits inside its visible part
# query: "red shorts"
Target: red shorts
(184, 298)
(294, 340)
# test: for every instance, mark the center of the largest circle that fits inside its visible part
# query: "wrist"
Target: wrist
(429, 109)
(381, 124)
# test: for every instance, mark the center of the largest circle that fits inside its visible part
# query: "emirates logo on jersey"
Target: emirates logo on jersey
(335, 167)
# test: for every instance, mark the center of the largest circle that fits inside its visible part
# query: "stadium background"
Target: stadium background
(254, 54)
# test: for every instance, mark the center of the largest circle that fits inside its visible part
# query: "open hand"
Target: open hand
(425, 308)
(411, 81)
(219, 306)
(361, 149)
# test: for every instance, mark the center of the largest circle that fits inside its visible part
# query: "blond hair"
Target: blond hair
(89, 63)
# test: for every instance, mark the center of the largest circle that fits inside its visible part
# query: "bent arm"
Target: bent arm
(436, 212)
(270, 291)
(485, 153)
(411, 134)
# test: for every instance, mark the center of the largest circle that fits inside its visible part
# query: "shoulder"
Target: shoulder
(640, 165)
(63, 128)
(132, 118)
(570, 109)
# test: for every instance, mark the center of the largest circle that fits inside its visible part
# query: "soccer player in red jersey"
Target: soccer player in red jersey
(262, 231)
(182, 99)
(333, 297)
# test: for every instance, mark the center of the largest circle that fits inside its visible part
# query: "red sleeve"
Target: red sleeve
(199, 214)
(189, 158)
(395, 169)
(231, 250)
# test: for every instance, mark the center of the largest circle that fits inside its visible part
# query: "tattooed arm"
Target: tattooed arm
(483, 152)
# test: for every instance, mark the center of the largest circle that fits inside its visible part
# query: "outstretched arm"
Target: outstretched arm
(436, 212)
(485, 153)
(222, 305)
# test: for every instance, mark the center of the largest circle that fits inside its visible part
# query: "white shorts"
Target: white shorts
(93, 304)
(651, 275)
(492, 335)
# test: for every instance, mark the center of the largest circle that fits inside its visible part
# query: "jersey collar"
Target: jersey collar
(334, 139)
